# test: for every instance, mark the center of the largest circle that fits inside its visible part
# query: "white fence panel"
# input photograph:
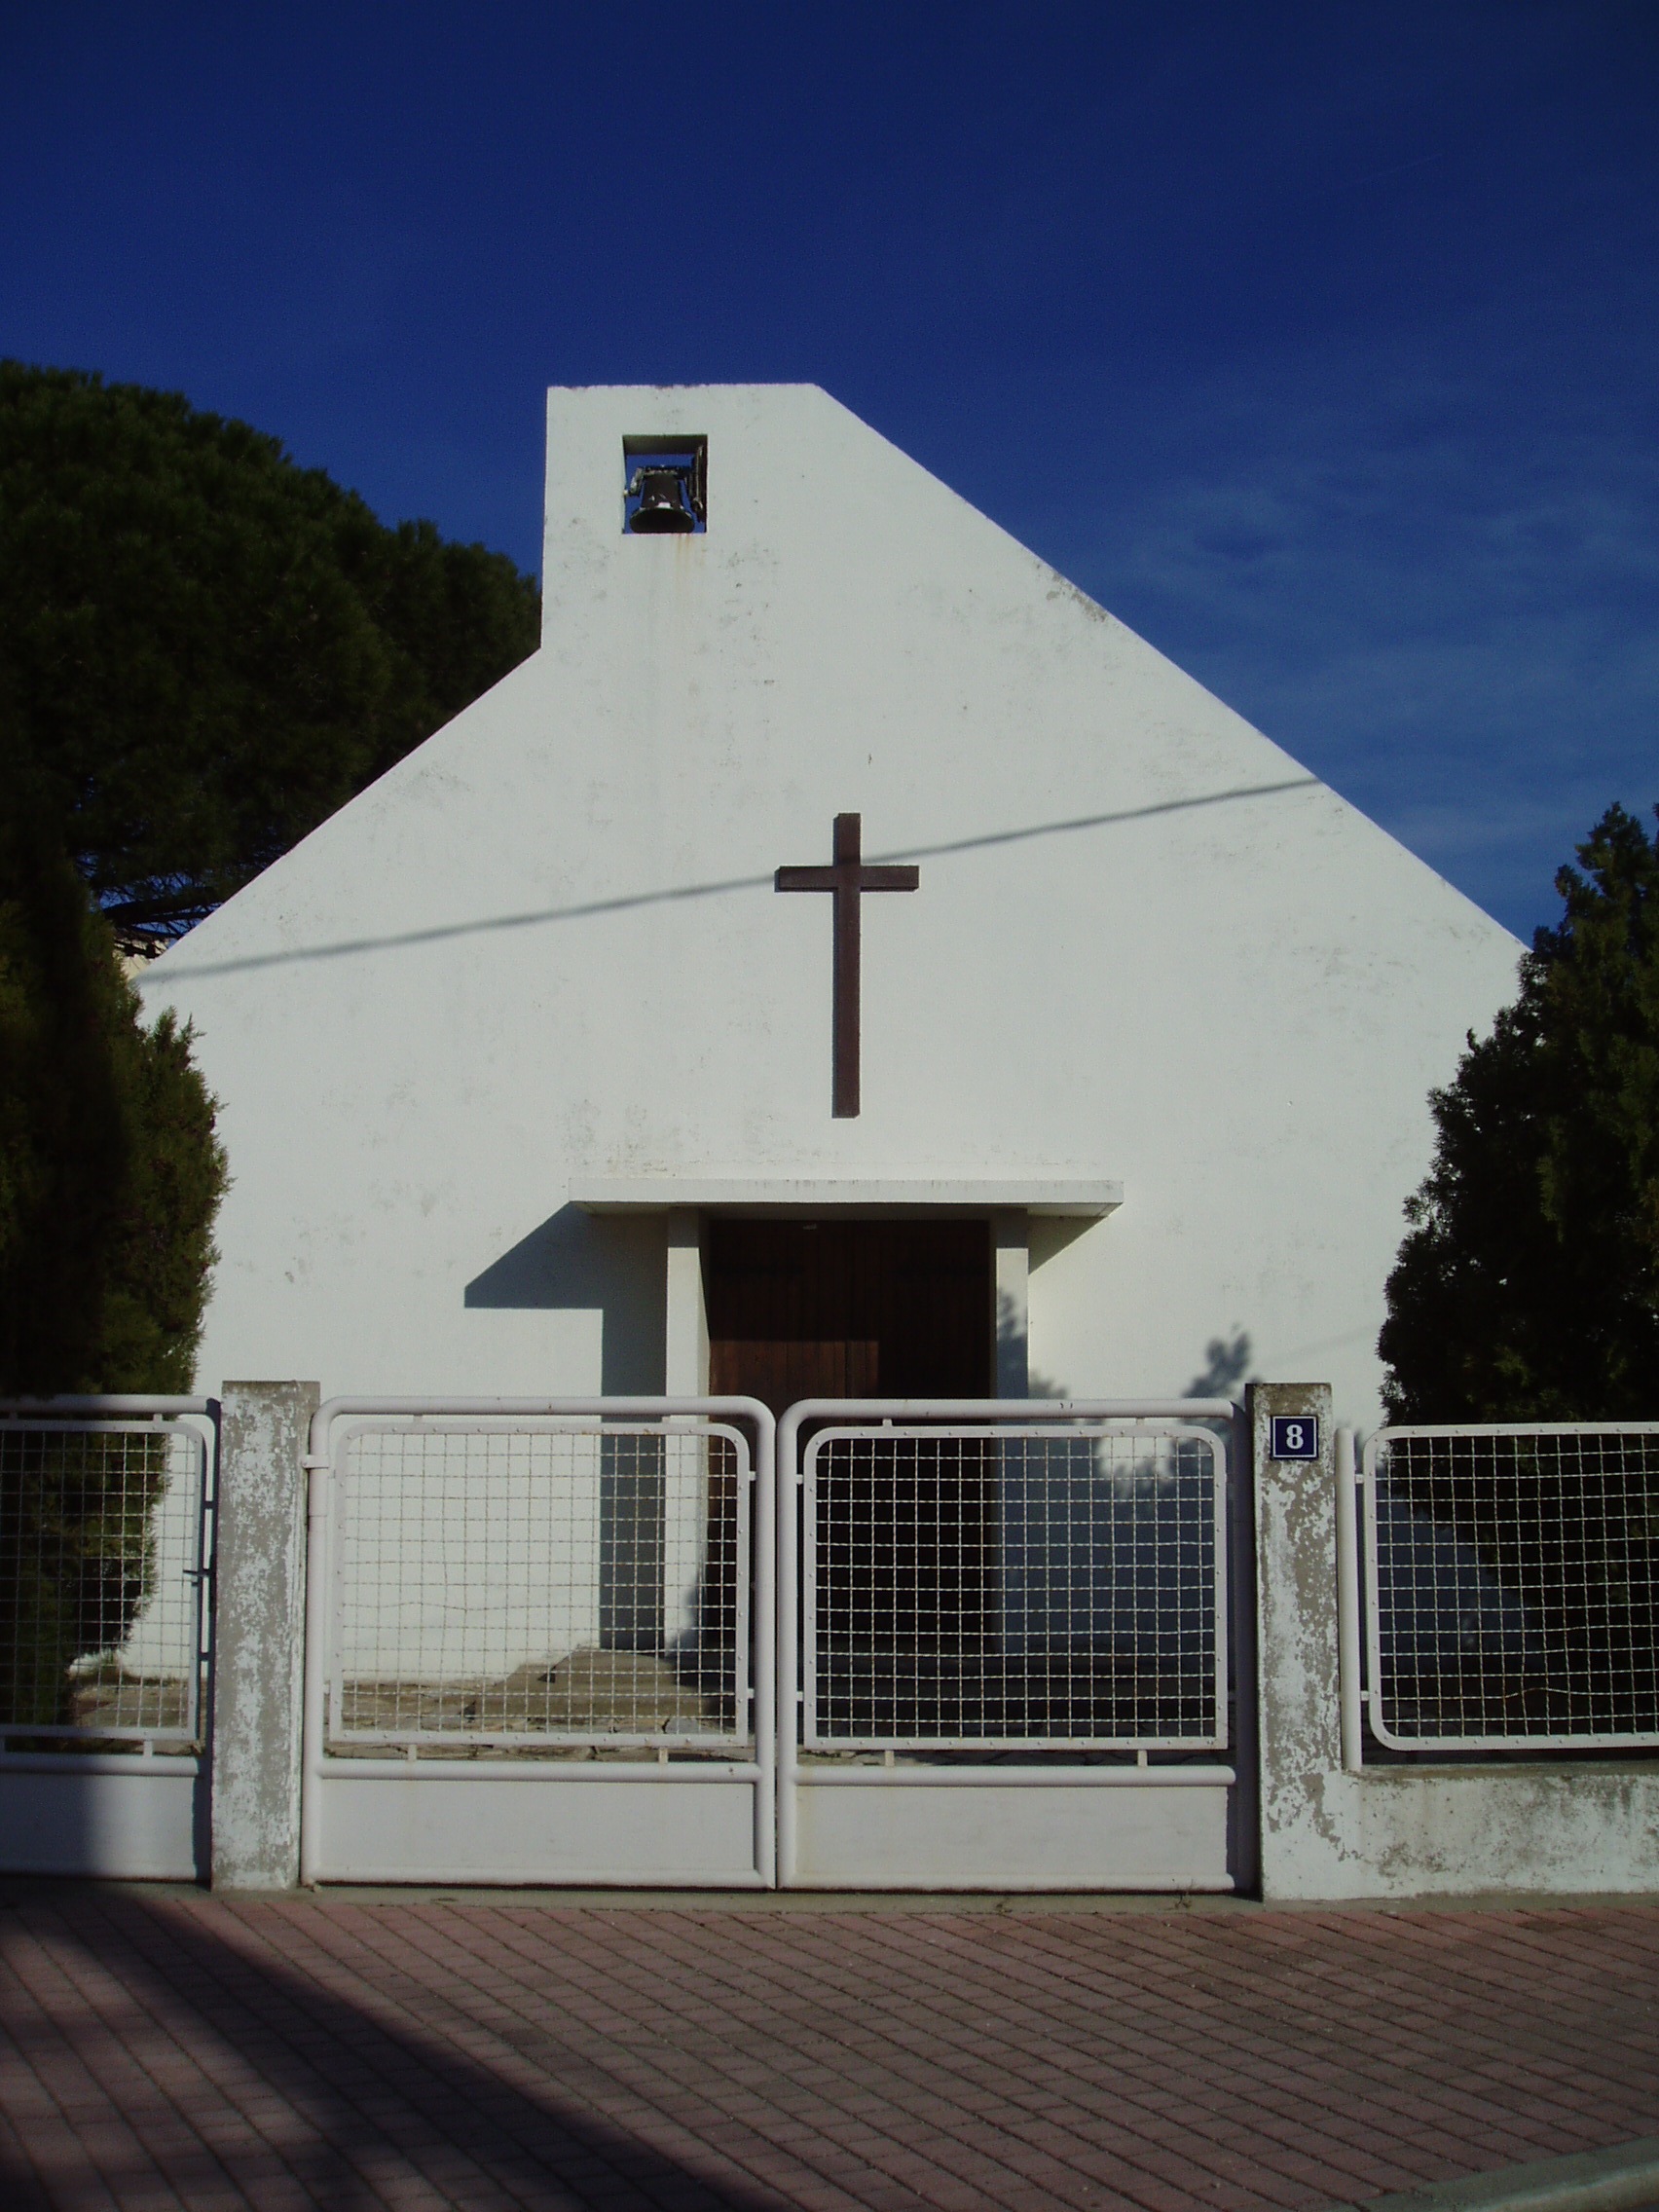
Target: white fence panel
(105, 1549)
(1512, 1586)
(540, 1585)
(103, 1555)
(1053, 1587)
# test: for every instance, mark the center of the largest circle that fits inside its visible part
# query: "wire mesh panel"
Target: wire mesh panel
(1512, 1574)
(1052, 1587)
(542, 1584)
(101, 1559)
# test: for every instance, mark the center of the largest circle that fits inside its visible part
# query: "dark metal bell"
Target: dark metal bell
(662, 507)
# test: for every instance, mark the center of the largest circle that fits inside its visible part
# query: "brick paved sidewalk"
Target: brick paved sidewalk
(170, 2049)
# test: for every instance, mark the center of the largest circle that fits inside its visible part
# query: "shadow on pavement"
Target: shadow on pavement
(288, 2093)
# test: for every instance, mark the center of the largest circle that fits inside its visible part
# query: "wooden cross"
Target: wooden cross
(848, 878)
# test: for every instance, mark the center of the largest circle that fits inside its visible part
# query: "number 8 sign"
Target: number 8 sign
(1296, 1436)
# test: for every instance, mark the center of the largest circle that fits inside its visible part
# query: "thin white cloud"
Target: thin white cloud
(1444, 608)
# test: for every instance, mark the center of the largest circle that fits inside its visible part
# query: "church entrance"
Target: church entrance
(874, 1309)
(849, 1309)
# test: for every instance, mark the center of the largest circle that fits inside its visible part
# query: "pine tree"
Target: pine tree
(205, 648)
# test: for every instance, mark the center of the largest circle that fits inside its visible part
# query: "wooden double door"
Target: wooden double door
(849, 1309)
(907, 1558)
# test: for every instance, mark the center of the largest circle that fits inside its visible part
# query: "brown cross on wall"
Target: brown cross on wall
(848, 880)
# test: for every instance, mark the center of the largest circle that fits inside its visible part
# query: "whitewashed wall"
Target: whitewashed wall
(545, 947)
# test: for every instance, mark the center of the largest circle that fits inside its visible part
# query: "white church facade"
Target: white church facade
(842, 969)
(1113, 1041)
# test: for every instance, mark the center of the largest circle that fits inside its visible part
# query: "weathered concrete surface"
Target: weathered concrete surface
(1300, 1715)
(1568, 1828)
(259, 1610)
(1564, 1827)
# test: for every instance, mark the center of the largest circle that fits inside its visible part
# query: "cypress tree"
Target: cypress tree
(110, 1171)
(1528, 1285)
(1527, 1289)
(110, 1176)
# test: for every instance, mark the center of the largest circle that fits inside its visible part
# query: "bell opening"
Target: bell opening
(664, 486)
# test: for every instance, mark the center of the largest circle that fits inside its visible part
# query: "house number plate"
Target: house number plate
(1296, 1436)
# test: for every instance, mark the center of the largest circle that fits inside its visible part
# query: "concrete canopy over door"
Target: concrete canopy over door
(692, 1204)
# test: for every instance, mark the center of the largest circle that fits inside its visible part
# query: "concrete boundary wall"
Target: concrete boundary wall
(1562, 1826)
(1536, 1827)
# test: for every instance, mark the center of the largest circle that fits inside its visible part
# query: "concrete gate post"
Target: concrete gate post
(1299, 1710)
(259, 1618)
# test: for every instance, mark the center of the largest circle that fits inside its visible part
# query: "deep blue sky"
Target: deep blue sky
(1318, 342)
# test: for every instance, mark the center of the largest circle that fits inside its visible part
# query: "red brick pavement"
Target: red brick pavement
(170, 2049)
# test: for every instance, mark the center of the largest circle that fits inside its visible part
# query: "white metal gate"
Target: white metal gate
(984, 1645)
(105, 1535)
(532, 1628)
(1004, 1646)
